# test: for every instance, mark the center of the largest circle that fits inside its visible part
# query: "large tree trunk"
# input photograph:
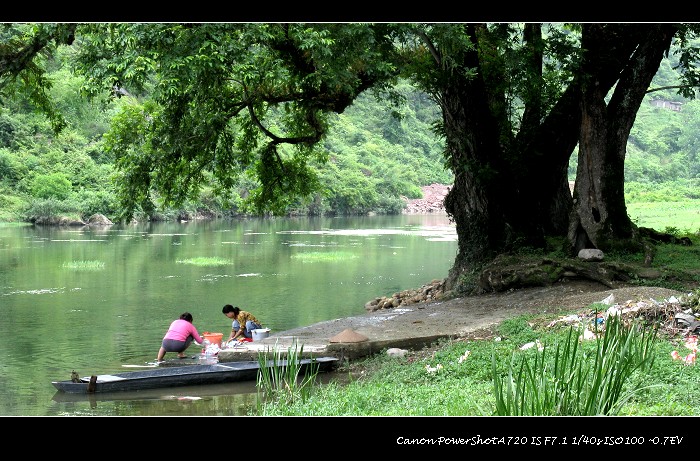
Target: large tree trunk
(475, 202)
(599, 218)
(544, 184)
(547, 149)
(504, 185)
(511, 192)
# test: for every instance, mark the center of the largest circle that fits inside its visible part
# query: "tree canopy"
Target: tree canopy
(223, 101)
(23, 48)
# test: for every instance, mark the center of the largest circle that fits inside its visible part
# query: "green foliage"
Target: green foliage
(395, 386)
(84, 265)
(11, 206)
(205, 261)
(682, 215)
(26, 50)
(317, 256)
(51, 186)
(378, 149)
(518, 330)
(49, 208)
(90, 202)
(389, 204)
(11, 168)
(88, 118)
(227, 108)
(678, 258)
(575, 381)
(8, 129)
(282, 378)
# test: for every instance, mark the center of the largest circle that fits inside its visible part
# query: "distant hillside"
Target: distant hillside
(379, 157)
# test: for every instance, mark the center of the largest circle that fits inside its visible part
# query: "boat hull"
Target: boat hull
(189, 375)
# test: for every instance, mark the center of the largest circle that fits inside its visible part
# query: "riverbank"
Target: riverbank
(415, 326)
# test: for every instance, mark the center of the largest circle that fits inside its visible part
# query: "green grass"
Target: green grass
(629, 375)
(204, 261)
(319, 256)
(682, 215)
(84, 265)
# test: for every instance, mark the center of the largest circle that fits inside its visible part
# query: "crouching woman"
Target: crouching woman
(179, 337)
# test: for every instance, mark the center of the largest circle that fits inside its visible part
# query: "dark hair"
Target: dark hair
(186, 316)
(229, 308)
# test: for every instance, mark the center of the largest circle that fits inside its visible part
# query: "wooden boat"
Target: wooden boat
(187, 375)
(180, 393)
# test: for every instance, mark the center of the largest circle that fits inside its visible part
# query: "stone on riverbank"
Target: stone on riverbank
(433, 291)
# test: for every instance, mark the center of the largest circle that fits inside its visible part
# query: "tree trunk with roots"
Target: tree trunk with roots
(599, 217)
(510, 194)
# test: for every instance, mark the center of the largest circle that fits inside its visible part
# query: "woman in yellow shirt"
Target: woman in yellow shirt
(243, 322)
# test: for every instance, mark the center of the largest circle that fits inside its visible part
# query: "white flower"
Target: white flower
(587, 334)
(430, 369)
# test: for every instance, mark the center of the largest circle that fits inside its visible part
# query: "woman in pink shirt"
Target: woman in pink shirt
(179, 337)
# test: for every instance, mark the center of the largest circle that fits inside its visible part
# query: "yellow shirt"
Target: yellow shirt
(243, 317)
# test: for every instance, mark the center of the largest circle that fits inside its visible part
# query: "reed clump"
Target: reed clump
(576, 380)
(283, 377)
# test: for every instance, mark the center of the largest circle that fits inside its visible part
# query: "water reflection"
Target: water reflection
(95, 300)
(234, 399)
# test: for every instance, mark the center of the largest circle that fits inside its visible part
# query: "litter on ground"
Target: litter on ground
(673, 317)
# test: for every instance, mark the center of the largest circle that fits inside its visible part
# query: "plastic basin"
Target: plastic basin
(214, 338)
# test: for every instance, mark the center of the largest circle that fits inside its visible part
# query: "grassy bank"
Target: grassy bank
(683, 216)
(455, 378)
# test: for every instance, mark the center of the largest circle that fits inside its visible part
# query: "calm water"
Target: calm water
(97, 300)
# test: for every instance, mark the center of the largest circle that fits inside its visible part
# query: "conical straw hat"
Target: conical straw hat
(348, 336)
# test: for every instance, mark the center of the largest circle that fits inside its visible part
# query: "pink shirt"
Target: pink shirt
(180, 329)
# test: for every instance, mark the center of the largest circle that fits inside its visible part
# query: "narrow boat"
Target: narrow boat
(187, 375)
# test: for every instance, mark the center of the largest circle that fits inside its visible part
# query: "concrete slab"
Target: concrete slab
(418, 325)
(411, 327)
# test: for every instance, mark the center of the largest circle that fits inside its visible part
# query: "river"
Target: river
(99, 299)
